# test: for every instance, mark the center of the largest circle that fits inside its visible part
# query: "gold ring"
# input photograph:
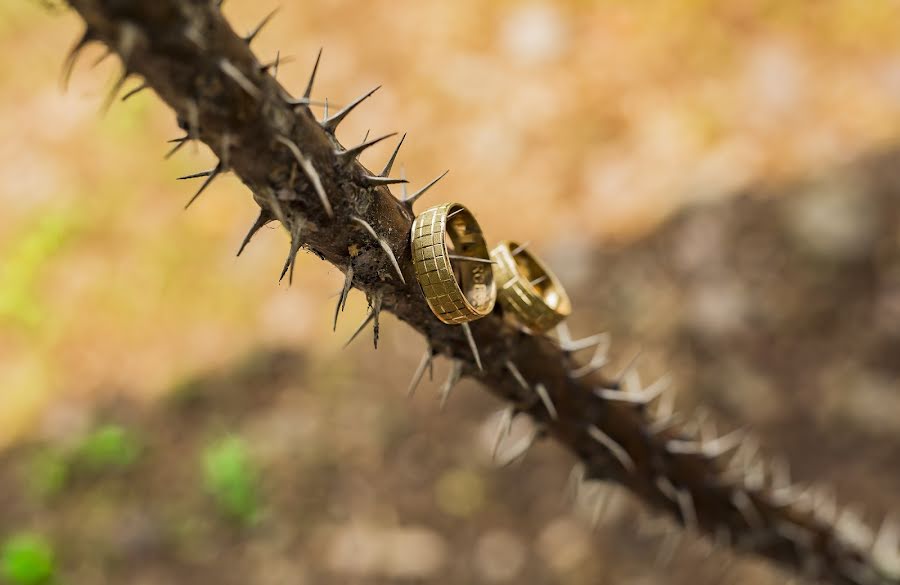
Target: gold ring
(462, 290)
(527, 290)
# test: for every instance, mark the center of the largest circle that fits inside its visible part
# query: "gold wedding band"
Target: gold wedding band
(527, 290)
(457, 281)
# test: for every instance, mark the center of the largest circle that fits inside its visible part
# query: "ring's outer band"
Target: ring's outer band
(457, 291)
(537, 307)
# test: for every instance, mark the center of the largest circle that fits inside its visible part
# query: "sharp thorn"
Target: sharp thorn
(386, 171)
(520, 449)
(470, 259)
(292, 253)
(372, 181)
(613, 447)
(517, 375)
(72, 56)
(351, 154)
(312, 77)
(331, 124)
(452, 379)
(411, 200)
(376, 310)
(403, 194)
(518, 249)
(179, 142)
(135, 91)
(252, 35)
(598, 360)
(504, 426)
(472, 346)
(229, 69)
(384, 245)
(572, 346)
(640, 397)
(687, 510)
(310, 172)
(265, 216)
(545, 398)
(420, 371)
(369, 318)
(537, 281)
(747, 509)
(342, 299)
(116, 88)
(196, 175)
(212, 175)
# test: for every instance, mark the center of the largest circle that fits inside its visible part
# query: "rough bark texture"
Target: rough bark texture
(189, 55)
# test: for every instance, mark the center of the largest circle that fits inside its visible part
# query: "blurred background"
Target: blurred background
(715, 182)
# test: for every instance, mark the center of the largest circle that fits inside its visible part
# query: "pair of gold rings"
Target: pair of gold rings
(462, 281)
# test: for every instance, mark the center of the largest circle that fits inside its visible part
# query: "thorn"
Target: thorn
(748, 510)
(310, 172)
(472, 346)
(519, 249)
(239, 78)
(573, 483)
(276, 207)
(116, 88)
(196, 175)
(372, 181)
(687, 510)
(598, 360)
(504, 426)
(274, 65)
(193, 118)
(470, 259)
(312, 78)
(209, 179)
(517, 375)
(572, 346)
(383, 243)
(72, 57)
(616, 449)
(252, 35)
(410, 201)
(351, 154)
(135, 91)
(641, 397)
(325, 111)
(386, 171)
(711, 449)
(403, 194)
(538, 281)
(369, 318)
(520, 449)
(545, 398)
(331, 124)
(601, 505)
(179, 142)
(292, 253)
(452, 379)
(420, 371)
(342, 299)
(265, 216)
(376, 309)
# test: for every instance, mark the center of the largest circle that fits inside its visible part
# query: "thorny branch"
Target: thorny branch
(330, 204)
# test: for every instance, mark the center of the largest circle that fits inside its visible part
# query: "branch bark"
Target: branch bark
(301, 176)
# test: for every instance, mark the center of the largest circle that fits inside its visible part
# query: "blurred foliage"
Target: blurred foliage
(110, 447)
(27, 559)
(229, 476)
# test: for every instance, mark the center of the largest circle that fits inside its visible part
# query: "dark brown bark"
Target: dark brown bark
(188, 54)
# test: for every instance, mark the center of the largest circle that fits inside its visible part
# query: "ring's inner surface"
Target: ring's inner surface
(463, 238)
(531, 271)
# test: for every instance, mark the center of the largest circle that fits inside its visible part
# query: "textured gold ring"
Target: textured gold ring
(452, 264)
(527, 290)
